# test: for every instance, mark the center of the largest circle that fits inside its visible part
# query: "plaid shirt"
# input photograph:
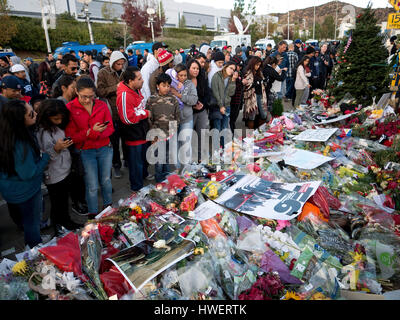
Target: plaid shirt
(293, 58)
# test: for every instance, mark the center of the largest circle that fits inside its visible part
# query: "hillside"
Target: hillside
(325, 10)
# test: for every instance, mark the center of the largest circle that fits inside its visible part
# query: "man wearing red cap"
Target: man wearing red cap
(166, 61)
(149, 67)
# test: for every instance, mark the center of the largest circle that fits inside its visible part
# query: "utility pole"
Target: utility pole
(151, 12)
(288, 33)
(46, 32)
(85, 10)
(336, 18)
(267, 20)
(314, 23)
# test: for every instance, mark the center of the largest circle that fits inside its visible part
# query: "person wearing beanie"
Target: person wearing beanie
(298, 49)
(17, 60)
(166, 61)
(216, 65)
(108, 79)
(149, 67)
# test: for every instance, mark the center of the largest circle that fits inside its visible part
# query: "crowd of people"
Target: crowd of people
(71, 123)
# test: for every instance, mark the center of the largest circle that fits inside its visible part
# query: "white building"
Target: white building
(195, 15)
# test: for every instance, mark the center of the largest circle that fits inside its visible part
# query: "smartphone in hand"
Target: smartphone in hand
(67, 139)
(106, 123)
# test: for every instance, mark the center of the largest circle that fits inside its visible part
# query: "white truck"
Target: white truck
(231, 39)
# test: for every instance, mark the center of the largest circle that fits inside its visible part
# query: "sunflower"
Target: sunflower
(20, 268)
(291, 295)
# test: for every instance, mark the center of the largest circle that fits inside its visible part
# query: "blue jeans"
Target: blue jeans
(261, 111)
(28, 213)
(137, 165)
(221, 124)
(97, 164)
(290, 88)
(162, 168)
(187, 136)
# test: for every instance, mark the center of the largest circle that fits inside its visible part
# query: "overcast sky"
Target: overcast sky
(283, 5)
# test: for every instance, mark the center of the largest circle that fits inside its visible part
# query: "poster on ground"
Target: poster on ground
(304, 159)
(143, 262)
(265, 199)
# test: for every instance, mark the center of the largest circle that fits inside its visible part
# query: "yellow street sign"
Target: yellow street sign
(393, 21)
(395, 4)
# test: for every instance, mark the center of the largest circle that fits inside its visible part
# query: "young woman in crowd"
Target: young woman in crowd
(200, 115)
(301, 83)
(21, 168)
(90, 127)
(270, 73)
(255, 99)
(66, 92)
(57, 177)
(188, 98)
(83, 68)
(223, 85)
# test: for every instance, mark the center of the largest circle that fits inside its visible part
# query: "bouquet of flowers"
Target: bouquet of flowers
(266, 287)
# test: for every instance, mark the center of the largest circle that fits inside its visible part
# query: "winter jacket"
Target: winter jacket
(27, 181)
(148, 68)
(60, 163)
(189, 99)
(301, 78)
(34, 73)
(164, 109)
(133, 116)
(80, 121)
(285, 61)
(271, 75)
(108, 80)
(27, 88)
(222, 94)
(94, 70)
(3, 101)
(203, 91)
(250, 97)
(153, 81)
(44, 73)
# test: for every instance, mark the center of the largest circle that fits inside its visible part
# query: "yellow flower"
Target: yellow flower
(198, 251)
(291, 295)
(319, 296)
(357, 256)
(20, 268)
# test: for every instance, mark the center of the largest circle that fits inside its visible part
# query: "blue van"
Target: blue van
(6, 52)
(141, 45)
(76, 46)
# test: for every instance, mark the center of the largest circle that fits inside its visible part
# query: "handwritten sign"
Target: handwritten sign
(317, 135)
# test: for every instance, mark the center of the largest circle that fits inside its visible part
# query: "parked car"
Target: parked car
(6, 52)
(141, 45)
(76, 46)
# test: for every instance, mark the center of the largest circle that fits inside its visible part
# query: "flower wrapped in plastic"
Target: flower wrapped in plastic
(91, 258)
(266, 287)
(196, 280)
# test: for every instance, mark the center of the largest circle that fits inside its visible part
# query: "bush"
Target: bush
(277, 108)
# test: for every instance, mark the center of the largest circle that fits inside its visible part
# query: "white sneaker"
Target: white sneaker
(150, 177)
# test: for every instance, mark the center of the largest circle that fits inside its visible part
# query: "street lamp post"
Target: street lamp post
(85, 10)
(151, 12)
(336, 18)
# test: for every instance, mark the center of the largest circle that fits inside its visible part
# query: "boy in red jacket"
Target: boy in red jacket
(134, 124)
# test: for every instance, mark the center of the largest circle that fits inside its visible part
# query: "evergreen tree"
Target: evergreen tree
(362, 69)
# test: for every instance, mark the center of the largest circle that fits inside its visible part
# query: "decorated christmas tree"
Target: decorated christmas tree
(362, 68)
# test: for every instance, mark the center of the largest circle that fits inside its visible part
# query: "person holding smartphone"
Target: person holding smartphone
(90, 128)
(57, 177)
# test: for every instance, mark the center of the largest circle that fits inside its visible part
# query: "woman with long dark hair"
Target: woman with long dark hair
(255, 99)
(21, 168)
(301, 82)
(65, 90)
(200, 114)
(271, 75)
(58, 179)
(90, 127)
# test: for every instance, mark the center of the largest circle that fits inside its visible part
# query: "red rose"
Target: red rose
(106, 232)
